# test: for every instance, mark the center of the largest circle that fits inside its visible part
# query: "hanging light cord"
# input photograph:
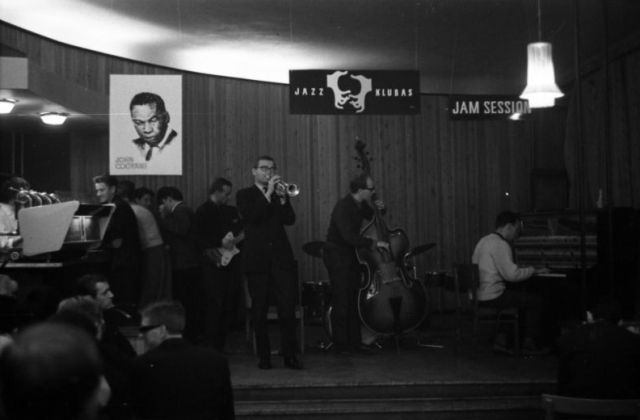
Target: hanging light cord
(539, 22)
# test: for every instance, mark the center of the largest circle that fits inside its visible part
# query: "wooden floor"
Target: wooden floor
(424, 374)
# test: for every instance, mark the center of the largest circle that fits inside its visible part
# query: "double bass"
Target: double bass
(390, 301)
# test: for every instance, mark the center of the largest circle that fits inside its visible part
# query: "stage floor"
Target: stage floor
(427, 356)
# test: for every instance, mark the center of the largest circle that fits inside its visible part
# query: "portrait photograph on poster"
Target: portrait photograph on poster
(145, 125)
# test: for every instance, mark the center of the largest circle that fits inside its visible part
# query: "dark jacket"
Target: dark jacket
(265, 239)
(178, 380)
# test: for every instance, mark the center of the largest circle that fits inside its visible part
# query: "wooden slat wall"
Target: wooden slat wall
(443, 181)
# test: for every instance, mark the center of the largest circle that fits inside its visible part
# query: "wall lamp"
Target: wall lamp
(6, 105)
(53, 118)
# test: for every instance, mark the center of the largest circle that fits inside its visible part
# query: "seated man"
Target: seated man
(52, 371)
(600, 358)
(175, 379)
(494, 257)
(97, 287)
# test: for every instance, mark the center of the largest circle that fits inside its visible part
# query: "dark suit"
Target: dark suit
(269, 265)
(124, 273)
(178, 380)
(186, 262)
(222, 284)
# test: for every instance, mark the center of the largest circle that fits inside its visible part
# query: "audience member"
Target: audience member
(97, 287)
(122, 241)
(8, 314)
(85, 313)
(186, 261)
(156, 272)
(9, 211)
(52, 371)
(143, 196)
(600, 358)
(175, 379)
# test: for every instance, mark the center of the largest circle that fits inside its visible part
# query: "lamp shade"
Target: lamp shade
(6, 105)
(541, 90)
(53, 118)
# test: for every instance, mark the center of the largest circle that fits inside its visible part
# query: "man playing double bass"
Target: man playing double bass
(339, 256)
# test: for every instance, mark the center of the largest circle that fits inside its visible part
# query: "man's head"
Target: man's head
(127, 190)
(105, 186)
(97, 287)
(264, 169)
(166, 193)
(362, 187)
(220, 190)
(604, 308)
(144, 197)
(83, 312)
(10, 187)
(509, 224)
(8, 286)
(150, 117)
(52, 371)
(160, 321)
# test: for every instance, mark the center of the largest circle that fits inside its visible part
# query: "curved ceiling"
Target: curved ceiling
(459, 46)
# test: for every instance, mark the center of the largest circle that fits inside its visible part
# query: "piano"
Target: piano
(553, 240)
(611, 251)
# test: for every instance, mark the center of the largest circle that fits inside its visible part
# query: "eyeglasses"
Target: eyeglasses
(146, 328)
(267, 168)
(370, 189)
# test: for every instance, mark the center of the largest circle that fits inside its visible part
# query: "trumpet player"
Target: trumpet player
(268, 262)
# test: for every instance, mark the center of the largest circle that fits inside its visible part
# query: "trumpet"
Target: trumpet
(290, 189)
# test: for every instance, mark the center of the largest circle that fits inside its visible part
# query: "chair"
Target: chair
(552, 404)
(467, 280)
(271, 314)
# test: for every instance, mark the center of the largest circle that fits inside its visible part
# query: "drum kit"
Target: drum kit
(316, 295)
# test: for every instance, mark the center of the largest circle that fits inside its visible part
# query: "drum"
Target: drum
(315, 299)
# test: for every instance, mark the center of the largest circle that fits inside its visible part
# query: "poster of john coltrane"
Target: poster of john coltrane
(145, 125)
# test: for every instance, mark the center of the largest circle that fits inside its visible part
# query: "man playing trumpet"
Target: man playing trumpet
(268, 262)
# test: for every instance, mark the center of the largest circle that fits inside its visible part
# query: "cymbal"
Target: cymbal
(313, 248)
(422, 248)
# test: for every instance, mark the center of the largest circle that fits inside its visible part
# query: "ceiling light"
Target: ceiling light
(6, 105)
(541, 90)
(53, 118)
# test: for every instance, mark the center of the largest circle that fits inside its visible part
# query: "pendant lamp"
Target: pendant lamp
(541, 90)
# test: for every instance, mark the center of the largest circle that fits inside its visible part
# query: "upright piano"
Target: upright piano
(610, 253)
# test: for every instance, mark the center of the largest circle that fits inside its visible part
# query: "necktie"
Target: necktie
(149, 153)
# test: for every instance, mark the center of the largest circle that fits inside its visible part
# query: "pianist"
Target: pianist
(494, 257)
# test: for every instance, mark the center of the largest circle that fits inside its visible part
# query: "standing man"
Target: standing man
(339, 256)
(494, 257)
(174, 379)
(218, 229)
(155, 263)
(268, 259)
(122, 241)
(177, 222)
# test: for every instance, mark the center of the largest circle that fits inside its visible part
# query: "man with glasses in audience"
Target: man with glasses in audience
(268, 260)
(175, 379)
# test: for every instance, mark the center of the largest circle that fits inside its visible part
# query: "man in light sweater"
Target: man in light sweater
(494, 257)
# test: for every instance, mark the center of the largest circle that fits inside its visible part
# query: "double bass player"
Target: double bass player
(340, 259)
